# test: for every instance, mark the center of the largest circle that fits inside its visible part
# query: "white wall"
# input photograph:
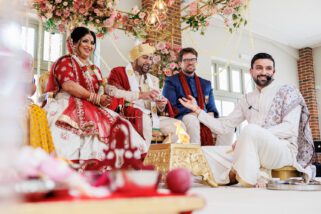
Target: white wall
(219, 44)
(123, 42)
(317, 72)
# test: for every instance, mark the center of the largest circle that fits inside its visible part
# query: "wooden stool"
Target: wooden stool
(285, 173)
(166, 157)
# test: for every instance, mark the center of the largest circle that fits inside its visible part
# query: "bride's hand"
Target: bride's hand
(189, 103)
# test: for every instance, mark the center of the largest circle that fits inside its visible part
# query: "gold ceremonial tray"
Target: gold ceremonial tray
(294, 184)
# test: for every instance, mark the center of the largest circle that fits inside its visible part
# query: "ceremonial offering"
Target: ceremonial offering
(296, 184)
(137, 182)
(179, 180)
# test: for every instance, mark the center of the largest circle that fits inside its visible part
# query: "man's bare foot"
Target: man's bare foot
(232, 177)
(261, 183)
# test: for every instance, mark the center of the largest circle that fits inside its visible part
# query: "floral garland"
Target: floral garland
(98, 15)
(232, 12)
(135, 23)
(55, 14)
(165, 60)
(101, 17)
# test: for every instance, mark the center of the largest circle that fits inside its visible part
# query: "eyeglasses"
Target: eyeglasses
(190, 60)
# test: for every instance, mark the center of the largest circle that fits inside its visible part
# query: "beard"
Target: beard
(263, 82)
(144, 68)
(189, 70)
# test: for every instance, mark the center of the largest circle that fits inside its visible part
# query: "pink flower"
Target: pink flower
(172, 65)
(109, 5)
(164, 51)
(48, 15)
(97, 21)
(160, 45)
(100, 35)
(167, 72)
(193, 8)
(58, 1)
(100, 2)
(109, 22)
(170, 2)
(66, 13)
(61, 28)
(141, 15)
(43, 7)
(136, 21)
(57, 170)
(96, 11)
(82, 10)
(58, 12)
(156, 59)
(113, 14)
(235, 3)
(228, 11)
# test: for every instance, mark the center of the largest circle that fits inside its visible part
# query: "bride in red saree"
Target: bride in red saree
(78, 115)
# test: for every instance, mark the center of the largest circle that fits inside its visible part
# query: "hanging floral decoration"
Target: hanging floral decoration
(98, 15)
(55, 14)
(199, 12)
(101, 16)
(134, 23)
(58, 15)
(140, 21)
(165, 60)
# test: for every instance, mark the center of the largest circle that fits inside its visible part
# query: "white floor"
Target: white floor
(239, 200)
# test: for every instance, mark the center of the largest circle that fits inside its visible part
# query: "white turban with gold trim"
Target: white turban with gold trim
(141, 50)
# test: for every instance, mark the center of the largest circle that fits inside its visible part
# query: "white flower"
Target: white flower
(135, 10)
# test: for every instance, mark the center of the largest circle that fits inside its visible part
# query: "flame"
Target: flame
(183, 137)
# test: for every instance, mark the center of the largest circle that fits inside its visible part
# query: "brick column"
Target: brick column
(307, 87)
(172, 32)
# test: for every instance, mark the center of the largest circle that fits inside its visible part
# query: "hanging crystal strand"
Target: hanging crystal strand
(13, 84)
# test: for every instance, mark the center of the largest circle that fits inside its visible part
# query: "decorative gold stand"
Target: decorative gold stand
(170, 156)
(285, 173)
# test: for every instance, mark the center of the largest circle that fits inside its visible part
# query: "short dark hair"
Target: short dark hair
(80, 32)
(262, 56)
(185, 51)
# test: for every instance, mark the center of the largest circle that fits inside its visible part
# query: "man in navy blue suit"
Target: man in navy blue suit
(187, 83)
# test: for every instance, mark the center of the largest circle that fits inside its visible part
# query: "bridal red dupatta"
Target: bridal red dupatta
(206, 134)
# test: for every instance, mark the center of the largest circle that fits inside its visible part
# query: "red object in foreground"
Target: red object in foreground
(179, 180)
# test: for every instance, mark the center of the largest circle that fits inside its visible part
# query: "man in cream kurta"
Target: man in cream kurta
(140, 90)
(260, 147)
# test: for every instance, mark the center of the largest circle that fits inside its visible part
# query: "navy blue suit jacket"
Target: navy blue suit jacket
(173, 90)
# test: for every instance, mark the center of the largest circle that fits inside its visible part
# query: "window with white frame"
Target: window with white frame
(28, 39)
(52, 45)
(230, 82)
